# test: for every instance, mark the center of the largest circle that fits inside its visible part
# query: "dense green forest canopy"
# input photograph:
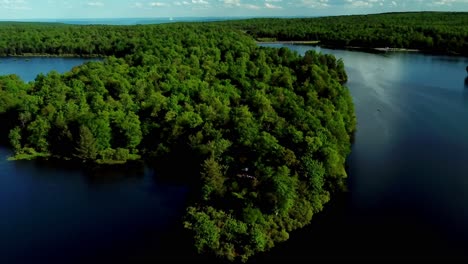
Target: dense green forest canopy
(435, 32)
(23, 38)
(267, 130)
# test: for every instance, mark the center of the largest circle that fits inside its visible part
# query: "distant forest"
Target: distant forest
(433, 32)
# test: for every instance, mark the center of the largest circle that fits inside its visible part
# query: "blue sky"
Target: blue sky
(31, 9)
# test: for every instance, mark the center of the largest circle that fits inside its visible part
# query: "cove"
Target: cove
(29, 67)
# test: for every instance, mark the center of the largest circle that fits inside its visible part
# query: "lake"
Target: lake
(408, 180)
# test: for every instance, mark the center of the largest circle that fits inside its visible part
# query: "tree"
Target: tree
(15, 139)
(207, 233)
(213, 178)
(87, 147)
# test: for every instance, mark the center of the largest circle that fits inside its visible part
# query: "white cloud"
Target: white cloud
(137, 5)
(360, 3)
(200, 2)
(250, 6)
(96, 4)
(157, 4)
(398, 3)
(315, 3)
(232, 2)
(56, 3)
(364, 3)
(272, 6)
(448, 2)
(238, 3)
(151, 5)
(14, 5)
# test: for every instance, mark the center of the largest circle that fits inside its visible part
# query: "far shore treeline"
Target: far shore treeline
(265, 131)
(431, 32)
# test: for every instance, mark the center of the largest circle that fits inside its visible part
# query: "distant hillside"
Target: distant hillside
(434, 32)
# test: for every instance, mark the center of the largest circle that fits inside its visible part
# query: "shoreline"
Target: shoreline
(399, 50)
(364, 49)
(292, 42)
(45, 55)
(378, 50)
(317, 42)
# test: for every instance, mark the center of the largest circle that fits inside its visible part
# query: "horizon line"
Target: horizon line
(224, 17)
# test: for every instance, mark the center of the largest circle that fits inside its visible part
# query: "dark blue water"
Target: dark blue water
(58, 214)
(408, 170)
(29, 67)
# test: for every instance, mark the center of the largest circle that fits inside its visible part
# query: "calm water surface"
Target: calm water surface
(408, 180)
(29, 67)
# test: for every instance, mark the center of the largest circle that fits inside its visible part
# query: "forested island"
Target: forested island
(265, 130)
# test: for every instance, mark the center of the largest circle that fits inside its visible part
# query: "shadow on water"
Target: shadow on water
(347, 231)
(343, 233)
(465, 92)
(128, 239)
(93, 173)
(174, 243)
